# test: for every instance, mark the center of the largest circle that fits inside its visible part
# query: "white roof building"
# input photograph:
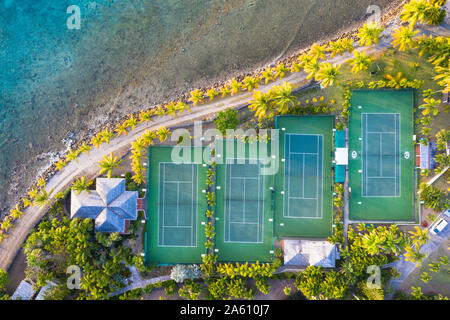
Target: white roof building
(45, 290)
(110, 205)
(341, 156)
(310, 253)
(23, 292)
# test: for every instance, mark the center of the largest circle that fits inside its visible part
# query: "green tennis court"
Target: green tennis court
(176, 207)
(303, 176)
(303, 184)
(178, 204)
(244, 210)
(244, 202)
(381, 155)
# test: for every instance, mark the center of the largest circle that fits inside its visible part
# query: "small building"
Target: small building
(24, 291)
(310, 253)
(425, 155)
(45, 290)
(110, 205)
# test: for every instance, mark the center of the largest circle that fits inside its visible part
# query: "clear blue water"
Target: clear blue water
(131, 54)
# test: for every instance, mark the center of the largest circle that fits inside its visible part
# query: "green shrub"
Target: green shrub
(226, 120)
(128, 177)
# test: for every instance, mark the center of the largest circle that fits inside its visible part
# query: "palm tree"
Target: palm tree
(372, 242)
(403, 38)
(108, 164)
(171, 109)
(26, 202)
(280, 70)
(318, 52)
(261, 104)
(304, 59)
(81, 184)
(443, 77)
(146, 116)
(361, 62)
(72, 155)
(148, 137)
(163, 133)
(442, 138)
(419, 236)
(225, 90)
(251, 83)
(268, 75)
(16, 213)
(42, 197)
(60, 164)
(160, 111)
(369, 34)
(413, 12)
(395, 81)
(121, 128)
(327, 74)
(6, 224)
(311, 68)
(138, 177)
(235, 86)
(196, 97)
(430, 105)
(182, 106)
(414, 255)
(346, 44)
(296, 67)
(428, 12)
(283, 98)
(211, 93)
(132, 122)
(340, 46)
(84, 148)
(107, 134)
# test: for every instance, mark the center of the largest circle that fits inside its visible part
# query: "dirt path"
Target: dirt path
(88, 164)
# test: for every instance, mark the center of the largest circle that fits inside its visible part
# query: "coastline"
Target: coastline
(101, 122)
(120, 145)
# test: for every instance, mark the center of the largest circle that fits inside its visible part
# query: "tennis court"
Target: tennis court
(176, 208)
(381, 156)
(244, 210)
(178, 204)
(303, 176)
(244, 202)
(303, 184)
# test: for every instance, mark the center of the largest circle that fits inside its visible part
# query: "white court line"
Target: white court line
(287, 196)
(194, 204)
(397, 162)
(228, 200)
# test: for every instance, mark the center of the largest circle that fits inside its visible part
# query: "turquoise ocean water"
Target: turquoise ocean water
(130, 54)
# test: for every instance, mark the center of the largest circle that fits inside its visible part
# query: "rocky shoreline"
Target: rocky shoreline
(74, 140)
